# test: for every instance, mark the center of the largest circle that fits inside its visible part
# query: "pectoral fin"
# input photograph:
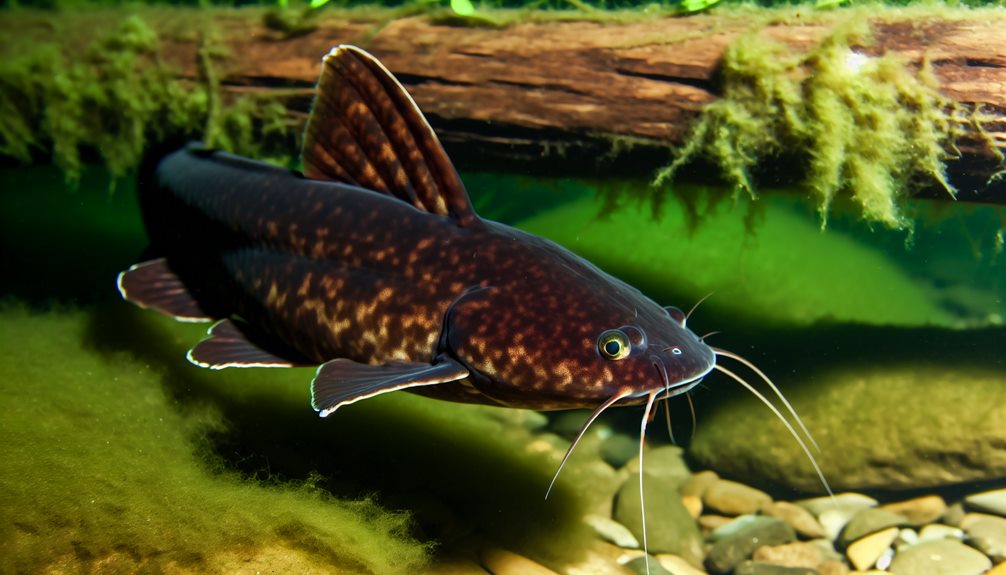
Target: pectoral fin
(342, 381)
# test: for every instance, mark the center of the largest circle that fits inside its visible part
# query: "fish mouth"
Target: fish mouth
(668, 389)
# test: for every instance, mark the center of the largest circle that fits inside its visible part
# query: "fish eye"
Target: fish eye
(614, 344)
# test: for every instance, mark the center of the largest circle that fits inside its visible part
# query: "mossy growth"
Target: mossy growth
(114, 100)
(862, 125)
(104, 470)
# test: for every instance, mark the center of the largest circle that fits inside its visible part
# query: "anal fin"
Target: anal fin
(228, 345)
(152, 284)
(342, 381)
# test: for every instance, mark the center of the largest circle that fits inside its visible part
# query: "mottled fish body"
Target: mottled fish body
(374, 266)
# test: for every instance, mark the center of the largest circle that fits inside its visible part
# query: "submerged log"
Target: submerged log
(600, 98)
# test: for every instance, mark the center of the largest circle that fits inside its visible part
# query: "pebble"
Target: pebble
(988, 501)
(711, 522)
(693, 504)
(665, 464)
(732, 498)
(797, 554)
(942, 557)
(639, 566)
(987, 533)
(669, 527)
(619, 449)
(612, 531)
(920, 510)
(999, 569)
(833, 521)
(754, 568)
(797, 517)
(677, 565)
(863, 553)
(850, 502)
(502, 562)
(868, 521)
(737, 541)
(936, 531)
(698, 483)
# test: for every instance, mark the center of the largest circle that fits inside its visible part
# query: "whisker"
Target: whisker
(784, 421)
(778, 393)
(642, 501)
(691, 408)
(703, 338)
(667, 417)
(625, 392)
(696, 306)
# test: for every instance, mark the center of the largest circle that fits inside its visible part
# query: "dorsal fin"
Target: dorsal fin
(366, 130)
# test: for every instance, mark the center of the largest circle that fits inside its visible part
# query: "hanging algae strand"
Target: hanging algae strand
(863, 125)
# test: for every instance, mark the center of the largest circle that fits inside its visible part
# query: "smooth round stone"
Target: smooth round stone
(999, 569)
(612, 531)
(797, 554)
(664, 464)
(503, 562)
(737, 541)
(920, 510)
(677, 565)
(935, 531)
(847, 502)
(988, 501)
(710, 522)
(732, 498)
(639, 566)
(863, 553)
(755, 568)
(869, 521)
(801, 520)
(568, 423)
(906, 538)
(943, 557)
(619, 449)
(698, 483)
(693, 504)
(833, 521)
(669, 527)
(987, 533)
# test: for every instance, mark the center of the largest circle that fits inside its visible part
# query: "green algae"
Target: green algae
(788, 271)
(118, 451)
(118, 98)
(856, 124)
(100, 460)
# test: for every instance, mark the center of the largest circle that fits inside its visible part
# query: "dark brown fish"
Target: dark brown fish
(374, 266)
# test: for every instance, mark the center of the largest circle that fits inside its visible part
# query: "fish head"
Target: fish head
(573, 344)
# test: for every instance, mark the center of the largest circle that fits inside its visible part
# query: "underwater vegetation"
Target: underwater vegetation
(854, 123)
(118, 99)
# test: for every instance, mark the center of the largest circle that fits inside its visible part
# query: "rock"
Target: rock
(693, 504)
(935, 531)
(612, 531)
(639, 566)
(731, 498)
(846, 502)
(601, 558)
(738, 540)
(999, 569)
(906, 538)
(798, 554)
(698, 483)
(863, 553)
(677, 565)
(987, 533)
(833, 521)
(955, 513)
(665, 464)
(920, 510)
(801, 520)
(618, 449)
(988, 501)
(669, 527)
(711, 522)
(855, 408)
(754, 568)
(869, 521)
(502, 562)
(943, 557)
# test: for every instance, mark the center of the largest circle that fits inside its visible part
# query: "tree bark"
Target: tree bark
(593, 99)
